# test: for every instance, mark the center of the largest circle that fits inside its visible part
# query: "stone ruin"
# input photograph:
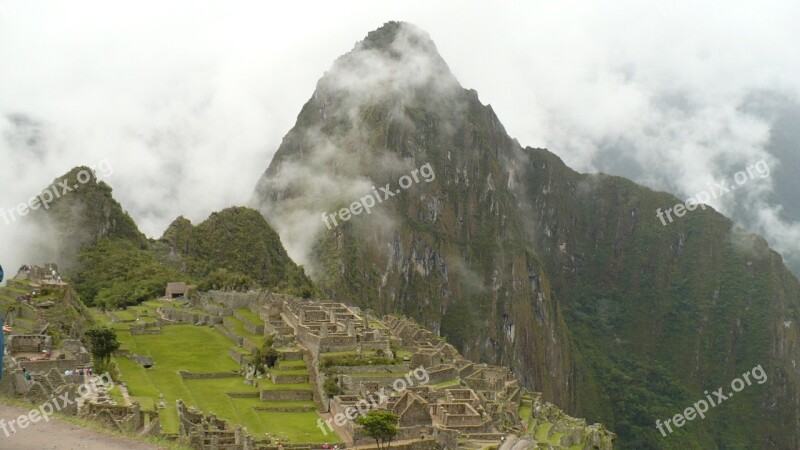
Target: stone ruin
(35, 353)
(207, 432)
(324, 326)
(28, 343)
(129, 418)
(483, 404)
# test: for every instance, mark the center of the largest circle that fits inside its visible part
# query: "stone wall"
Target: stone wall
(181, 316)
(44, 365)
(242, 394)
(138, 330)
(279, 378)
(400, 369)
(204, 376)
(442, 374)
(122, 418)
(249, 346)
(291, 395)
(239, 357)
(353, 383)
(28, 343)
(234, 300)
(290, 355)
(236, 339)
(250, 327)
(209, 433)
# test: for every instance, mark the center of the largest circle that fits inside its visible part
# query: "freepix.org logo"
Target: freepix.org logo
(102, 169)
(374, 400)
(367, 202)
(56, 404)
(718, 189)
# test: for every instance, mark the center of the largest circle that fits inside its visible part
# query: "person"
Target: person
(326, 446)
(280, 446)
(6, 329)
(26, 374)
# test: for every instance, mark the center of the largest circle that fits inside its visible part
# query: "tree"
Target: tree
(380, 425)
(268, 354)
(331, 387)
(102, 343)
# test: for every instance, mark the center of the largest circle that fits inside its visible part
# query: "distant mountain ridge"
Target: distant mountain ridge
(112, 263)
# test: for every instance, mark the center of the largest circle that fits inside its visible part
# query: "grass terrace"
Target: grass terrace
(250, 316)
(203, 350)
(449, 383)
(237, 327)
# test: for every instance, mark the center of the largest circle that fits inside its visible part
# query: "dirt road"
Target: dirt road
(57, 434)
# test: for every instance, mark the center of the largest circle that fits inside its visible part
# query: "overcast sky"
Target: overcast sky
(187, 101)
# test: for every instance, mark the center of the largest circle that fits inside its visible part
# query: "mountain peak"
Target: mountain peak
(384, 37)
(395, 60)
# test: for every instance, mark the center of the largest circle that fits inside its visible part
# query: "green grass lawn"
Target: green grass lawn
(237, 327)
(297, 363)
(16, 290)
(98, 316)
(116, 395)
(377, 375)
(541, 433)
(268, 385)
(292, 372)
(402, 353)
(525, 413)
(180, 347)
(241, 350)
(203, 349)
(374, 324)
(347, 353)
(448, 383)
(252, 318)
(124, 315)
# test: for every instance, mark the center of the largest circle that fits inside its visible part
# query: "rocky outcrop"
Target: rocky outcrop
(450, 250)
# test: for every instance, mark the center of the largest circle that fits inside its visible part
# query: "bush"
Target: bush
(269, 355)
(331, 387)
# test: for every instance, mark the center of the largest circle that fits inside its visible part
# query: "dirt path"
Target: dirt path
(58, 434)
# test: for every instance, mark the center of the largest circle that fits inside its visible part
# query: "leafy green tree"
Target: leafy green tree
(268, 354)
(332, 387)
(381, 426)
(102, 343)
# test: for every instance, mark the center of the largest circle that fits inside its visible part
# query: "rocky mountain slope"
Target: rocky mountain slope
(569, 279)
(77, 210)
(453, 253)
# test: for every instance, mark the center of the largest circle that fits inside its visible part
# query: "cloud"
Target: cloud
(189, 100)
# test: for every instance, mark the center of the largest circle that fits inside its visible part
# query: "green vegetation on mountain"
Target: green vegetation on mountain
(116, 272)
(233, 248)
(664, 313)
